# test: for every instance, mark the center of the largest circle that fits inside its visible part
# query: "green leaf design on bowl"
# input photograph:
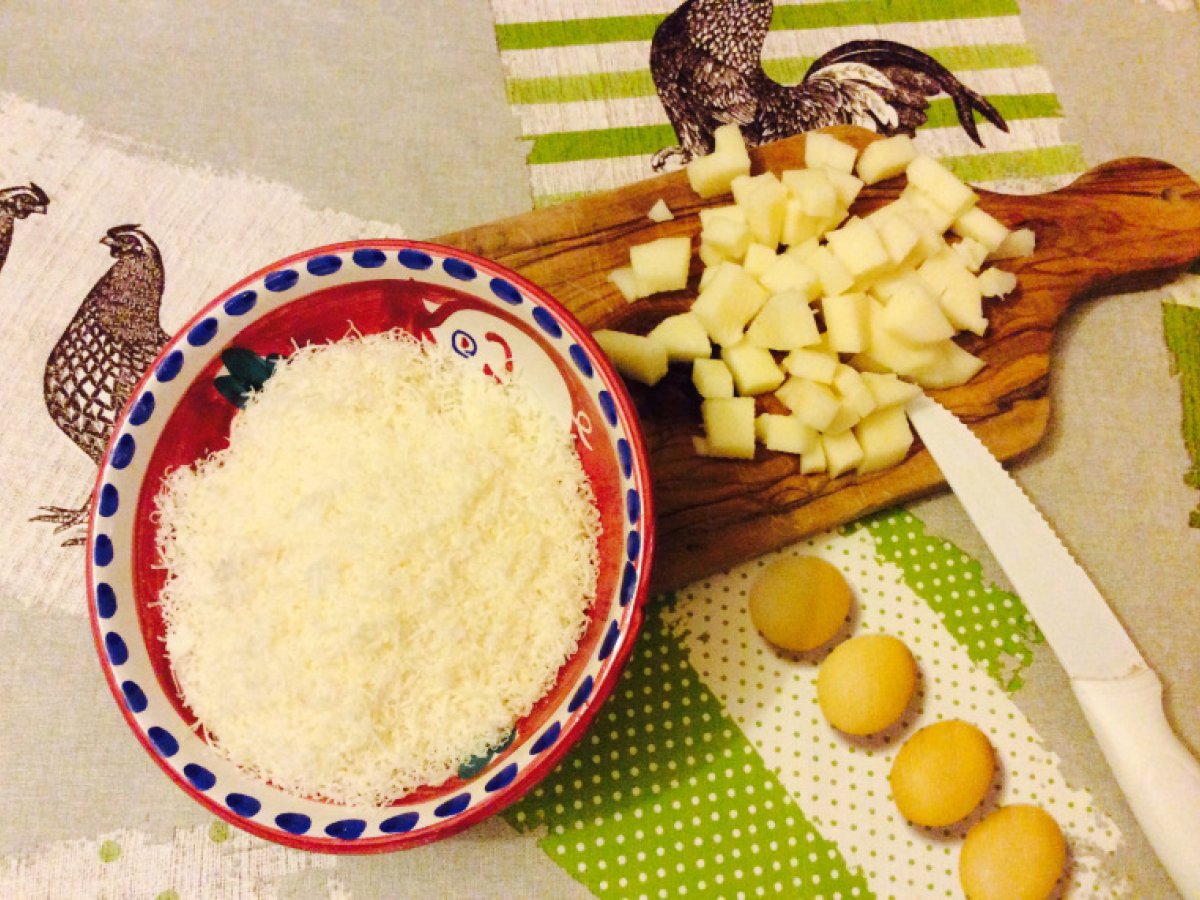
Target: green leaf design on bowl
(477, 764)
(246, 372)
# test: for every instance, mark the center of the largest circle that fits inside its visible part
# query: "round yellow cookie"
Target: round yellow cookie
(866, 683)
(942, 773)
(799, 603)
(1016, 853)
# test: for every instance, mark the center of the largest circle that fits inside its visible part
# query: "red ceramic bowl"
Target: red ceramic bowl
(182, 410)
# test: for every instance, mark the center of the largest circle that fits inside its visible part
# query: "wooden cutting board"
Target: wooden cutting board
(1126, 225)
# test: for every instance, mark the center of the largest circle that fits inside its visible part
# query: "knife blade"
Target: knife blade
(1120, 695)
(1086, 636)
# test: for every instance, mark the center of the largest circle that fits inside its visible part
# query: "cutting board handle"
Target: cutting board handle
(1127, 225)
(1130, 224)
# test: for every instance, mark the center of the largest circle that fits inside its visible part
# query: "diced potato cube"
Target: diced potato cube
(982, 227)
(899, 237)
(956, 289)
(786, 273)
(712, 378)
(700, 446)
(758, 258)
(784, 434)
(1018, 243)
(884, 437)
(888, 353)
(929, 240)
(971, 252)
(764, 200)
(845, 419)
(939, 218)
(846, 321)
(626, 282)
(886, 158)
(728, 139)
(740, 188)
(804, 249)
(786, 322)
(836, 219)
(950, 366)
(813, 190)
(727, 236)
(760, 428)
(940, 185)
(855, 394)
(811, 363)
(730, 301)
(729, 426)
(912, 314)
(813, 460)
(826, 151)
(660, 212)
(635, 356)
(884, 288)
(710, 256)
(813, 404)
(846, 186)
(842, 452)
(799, 226)
(858, 247)
(754, 369)
(888, 389)
(867, 364)
(662, 265)
(826, 344)
(710, 270)
(831, 273)
(963, 305)
(683, 337)
(996, 282)
(713, 174)
(710, 214)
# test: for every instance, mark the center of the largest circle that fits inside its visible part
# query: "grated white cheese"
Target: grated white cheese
(382, 572)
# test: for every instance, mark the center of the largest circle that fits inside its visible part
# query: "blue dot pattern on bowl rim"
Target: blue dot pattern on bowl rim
(273, 813)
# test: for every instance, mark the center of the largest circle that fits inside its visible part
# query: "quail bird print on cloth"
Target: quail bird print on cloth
(107, 347)
(18, 202)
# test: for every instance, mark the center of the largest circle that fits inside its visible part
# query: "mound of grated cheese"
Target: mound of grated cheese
(380, 574)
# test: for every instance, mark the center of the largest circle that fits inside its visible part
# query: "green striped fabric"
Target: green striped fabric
(607, 29)
(571, 146)
(638, 83)
(1181, 325)
(578, 78)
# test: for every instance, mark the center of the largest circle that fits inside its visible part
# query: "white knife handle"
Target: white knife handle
(1159, 777)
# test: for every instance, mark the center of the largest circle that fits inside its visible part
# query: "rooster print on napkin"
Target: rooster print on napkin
(706, 61)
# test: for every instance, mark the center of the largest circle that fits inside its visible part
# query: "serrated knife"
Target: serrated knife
(1119, 693)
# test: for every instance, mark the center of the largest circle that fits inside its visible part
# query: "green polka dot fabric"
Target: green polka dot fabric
(839, 782)
(711, 771)
(993, 626)
(665, 797)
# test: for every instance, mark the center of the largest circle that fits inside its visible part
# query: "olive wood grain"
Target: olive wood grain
(1129, 224)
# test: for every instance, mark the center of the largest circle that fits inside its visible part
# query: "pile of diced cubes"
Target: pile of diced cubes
(841, 318)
